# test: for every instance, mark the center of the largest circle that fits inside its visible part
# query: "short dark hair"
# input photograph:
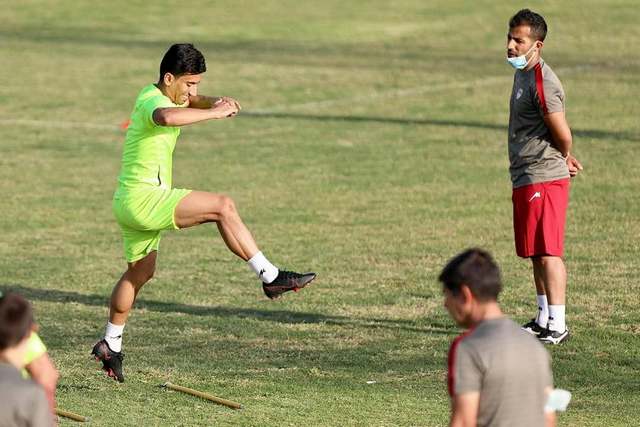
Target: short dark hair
(535, 21)
(16, 320)
(181, 59)
(476, 269)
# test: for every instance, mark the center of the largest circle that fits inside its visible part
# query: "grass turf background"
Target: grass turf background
(371, 148)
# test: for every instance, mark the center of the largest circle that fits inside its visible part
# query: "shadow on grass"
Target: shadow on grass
(279, 316)
(582, 133)
(265, 51)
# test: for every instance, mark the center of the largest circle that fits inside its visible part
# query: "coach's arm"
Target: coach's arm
(562, 139)
(464, 409)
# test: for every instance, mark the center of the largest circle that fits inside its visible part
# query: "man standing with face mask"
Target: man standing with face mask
(541, 166)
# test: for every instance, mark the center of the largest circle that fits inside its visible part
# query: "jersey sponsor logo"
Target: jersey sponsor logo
(536, 195)
(519, 93)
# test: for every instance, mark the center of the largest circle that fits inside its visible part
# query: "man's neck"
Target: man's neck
(533, 62)
(12, 357)
(486, 311)
(162, 88)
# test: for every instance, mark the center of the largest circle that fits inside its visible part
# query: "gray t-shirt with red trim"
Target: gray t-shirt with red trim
(533, 158)
(508, 367)
(22, 402)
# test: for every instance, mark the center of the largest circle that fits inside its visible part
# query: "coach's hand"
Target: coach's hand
(574, 165)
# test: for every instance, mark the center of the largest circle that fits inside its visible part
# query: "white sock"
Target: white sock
(265, 271)
(113, 336)
(543, 311)
(556, 318)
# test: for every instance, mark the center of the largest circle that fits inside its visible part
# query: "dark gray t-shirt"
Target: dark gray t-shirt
(533, 158)
(22, 402)
(510, 369)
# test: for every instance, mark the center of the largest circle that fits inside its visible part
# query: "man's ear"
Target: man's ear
(466, 294)
(539, 44)
(168, 79)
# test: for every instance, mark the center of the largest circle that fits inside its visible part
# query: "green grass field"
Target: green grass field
(371, 148)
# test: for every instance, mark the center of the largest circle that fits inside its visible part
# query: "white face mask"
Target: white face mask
(520, 62)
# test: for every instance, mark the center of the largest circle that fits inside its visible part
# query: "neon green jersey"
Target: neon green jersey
(148, 148)
(35, 349)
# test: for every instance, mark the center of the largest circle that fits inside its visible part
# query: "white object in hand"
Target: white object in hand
(558, 400)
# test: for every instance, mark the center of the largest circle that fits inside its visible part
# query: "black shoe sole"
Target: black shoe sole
(564, 340)
(277, 294)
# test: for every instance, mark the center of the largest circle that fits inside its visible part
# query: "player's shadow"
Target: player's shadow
(279, 316)
(582, 133)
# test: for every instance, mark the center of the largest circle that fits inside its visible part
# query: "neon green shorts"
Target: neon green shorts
(142, 215)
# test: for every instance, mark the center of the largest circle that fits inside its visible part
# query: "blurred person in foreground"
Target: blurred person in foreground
(41, 369)
(22, 401)
(498, 375)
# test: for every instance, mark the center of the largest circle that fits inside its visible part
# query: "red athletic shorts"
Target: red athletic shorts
(539, 214)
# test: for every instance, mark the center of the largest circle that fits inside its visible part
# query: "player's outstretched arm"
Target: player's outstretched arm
(181, 116)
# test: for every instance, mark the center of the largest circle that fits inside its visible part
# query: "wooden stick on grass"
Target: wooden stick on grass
(225, 402)
(72, 416)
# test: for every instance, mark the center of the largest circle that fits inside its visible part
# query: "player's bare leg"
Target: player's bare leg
(200, 207)
(126, 290)
(109, 349)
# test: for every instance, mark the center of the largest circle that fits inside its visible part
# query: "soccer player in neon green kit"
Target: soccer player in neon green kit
(145, 203)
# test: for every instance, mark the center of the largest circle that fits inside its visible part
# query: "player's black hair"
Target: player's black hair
(181, 59)
(533, 20)
(16, 320)
(476, 269)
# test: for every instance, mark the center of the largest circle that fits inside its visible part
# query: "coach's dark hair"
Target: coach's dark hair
(16, 320)
(182, 59)
(476, 269)
(533, 20)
